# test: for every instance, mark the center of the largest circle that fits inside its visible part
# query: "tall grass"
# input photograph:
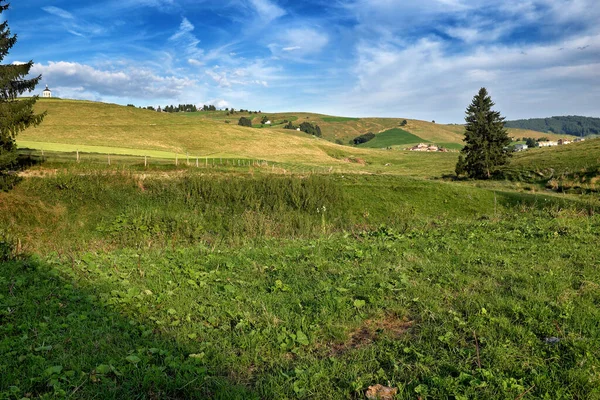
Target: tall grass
(85, 206)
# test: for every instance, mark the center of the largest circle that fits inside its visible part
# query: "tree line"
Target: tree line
(305, 127)
(564, 125)
(181, 108)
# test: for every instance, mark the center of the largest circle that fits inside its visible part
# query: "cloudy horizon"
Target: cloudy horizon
(412, 59)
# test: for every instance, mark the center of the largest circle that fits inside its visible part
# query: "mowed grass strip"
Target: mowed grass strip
(72, 148)
(338, 119)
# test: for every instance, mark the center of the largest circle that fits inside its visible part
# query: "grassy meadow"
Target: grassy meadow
(314, 275)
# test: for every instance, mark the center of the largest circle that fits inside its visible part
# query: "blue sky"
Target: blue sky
(420, 59)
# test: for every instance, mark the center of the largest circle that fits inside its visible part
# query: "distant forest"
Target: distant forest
(569, 125)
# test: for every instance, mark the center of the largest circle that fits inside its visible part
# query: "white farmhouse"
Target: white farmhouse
(47, 92)
(521, 147)
(547, 144)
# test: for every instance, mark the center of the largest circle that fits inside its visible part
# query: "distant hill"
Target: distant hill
(566, 125)
(392, 137)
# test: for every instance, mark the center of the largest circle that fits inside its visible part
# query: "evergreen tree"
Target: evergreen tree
(15, 114)
(364, 138)
(485, 138)
(245, 122)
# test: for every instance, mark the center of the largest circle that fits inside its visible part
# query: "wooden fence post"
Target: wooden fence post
(109, 159)
(77, 155)
(145, 161)
(176, 160)
(196, 162)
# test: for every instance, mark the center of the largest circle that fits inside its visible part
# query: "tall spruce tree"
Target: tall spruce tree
(485, 139)
(15, 114)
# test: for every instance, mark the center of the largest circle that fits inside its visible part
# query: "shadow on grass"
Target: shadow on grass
(9, 179)
(57, 340)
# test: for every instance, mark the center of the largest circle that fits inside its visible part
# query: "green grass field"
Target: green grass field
(253, 287)
(392, 137)
(338, 119)
(327, 270)
(569, 168)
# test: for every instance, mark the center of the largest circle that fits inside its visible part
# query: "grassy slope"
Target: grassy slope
(144, 128)
(108, 125)
(572, 157)
(345, 129)
(392, 137)
(573, 168)
(126, 130)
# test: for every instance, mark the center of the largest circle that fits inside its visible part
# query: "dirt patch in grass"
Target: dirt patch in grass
(370, 331)
(355, 160)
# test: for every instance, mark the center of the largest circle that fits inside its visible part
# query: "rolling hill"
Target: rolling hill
(567, 158)
(77, 123)
(113, 129)
(217, 134)
(565, 125)
(392, 137)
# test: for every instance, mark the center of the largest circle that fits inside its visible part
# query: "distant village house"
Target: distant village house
(521, 147)
(427, 147)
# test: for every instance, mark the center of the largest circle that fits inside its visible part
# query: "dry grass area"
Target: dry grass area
(98, 124)
(112, 129)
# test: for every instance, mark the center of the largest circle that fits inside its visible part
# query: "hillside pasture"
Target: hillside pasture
(393, 137)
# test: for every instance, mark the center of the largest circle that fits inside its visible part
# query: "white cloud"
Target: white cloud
(300, 42)
(186, 40)
(184, 28)
(74, 26)
(267, 10)
(424, 81)
(217, 102)
(194, 62)
(59, 12)
(255, 73)
(129, 82)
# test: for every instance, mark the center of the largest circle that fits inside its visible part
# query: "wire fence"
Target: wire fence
(34, 156)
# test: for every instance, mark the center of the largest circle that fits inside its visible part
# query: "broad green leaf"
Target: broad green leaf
(302, 338)
(359, 303)
(133, 359)
(103, 369)
(54, 370)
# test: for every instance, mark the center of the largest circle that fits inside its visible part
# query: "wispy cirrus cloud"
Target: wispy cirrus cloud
(267, 10)
(299, 43)
(186, 40)
(59, 12)
(73, 25)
